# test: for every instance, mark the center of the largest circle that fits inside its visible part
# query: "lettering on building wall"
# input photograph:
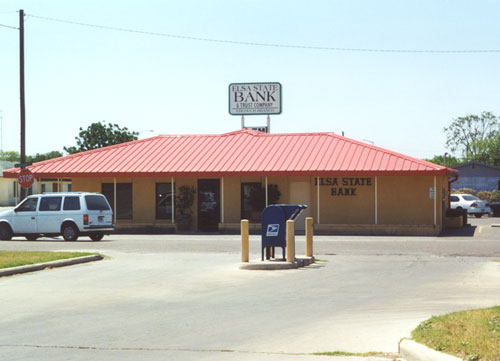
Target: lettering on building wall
(346, 186)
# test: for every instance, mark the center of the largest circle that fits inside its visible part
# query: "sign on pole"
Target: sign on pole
(254, 98)
(25, 178)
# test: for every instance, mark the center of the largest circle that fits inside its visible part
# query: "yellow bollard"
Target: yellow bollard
(290, 241)
(309, 237)
(244, 240)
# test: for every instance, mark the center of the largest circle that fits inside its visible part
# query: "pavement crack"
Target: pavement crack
(166, 349)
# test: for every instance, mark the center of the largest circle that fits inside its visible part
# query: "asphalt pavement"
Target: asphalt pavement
(182, 297)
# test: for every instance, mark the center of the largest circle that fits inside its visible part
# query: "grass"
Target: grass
(15, 259)
(471, 335)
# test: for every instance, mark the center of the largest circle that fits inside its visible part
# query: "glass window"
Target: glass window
(71, 204)
(50, 204)
(123, 198)
(253, 201)
(454, 199)
(471, 198)
(96, 203)
(29, 205)
(164, 198)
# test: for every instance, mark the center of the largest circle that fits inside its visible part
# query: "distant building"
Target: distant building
(7, 186)
(10, 188)
(477, 176)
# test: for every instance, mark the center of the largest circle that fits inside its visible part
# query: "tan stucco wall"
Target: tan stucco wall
(405, 200)
(232, 199)
(401, 200)
(347, 200)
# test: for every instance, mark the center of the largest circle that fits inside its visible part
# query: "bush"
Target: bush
(490, 196)
(467, 191)
(484, 195)
(494, 196)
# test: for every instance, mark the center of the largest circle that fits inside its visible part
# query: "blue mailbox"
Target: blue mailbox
(274, 219)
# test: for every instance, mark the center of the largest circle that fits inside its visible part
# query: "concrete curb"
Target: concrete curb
(271, 265)
(40, 266)
(413, 351)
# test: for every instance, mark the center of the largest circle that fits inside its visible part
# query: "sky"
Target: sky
(156, 83)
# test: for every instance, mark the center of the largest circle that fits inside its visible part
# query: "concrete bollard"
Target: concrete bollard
(290, 241)
(244, 240)
(309, 237)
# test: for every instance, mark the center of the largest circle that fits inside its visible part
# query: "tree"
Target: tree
(10, 156)
(488, 150)
(469, 133)
(439, 159)
(99, 135)
(38, 157)
(13, 156)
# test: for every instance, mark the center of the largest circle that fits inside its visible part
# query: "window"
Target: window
(71, 204)
(471, 198)
(96, 203)
(164, 198)
(50, 204)
(253, 201)
(44, 188)
(123, 198)
(29, 205)
(454, 199)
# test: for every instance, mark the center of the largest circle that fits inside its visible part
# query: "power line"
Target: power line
(10, 27)
(273, 45)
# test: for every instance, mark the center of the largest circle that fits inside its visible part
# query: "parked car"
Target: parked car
(71, 215)
(472, 204)
(495, 209)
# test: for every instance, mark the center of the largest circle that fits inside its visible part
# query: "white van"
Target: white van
(70, 214)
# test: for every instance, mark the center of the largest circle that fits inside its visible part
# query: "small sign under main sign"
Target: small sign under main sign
(254, 98)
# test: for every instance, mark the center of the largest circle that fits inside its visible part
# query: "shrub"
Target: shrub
(494, 196)
(484, 195)
(467, 191)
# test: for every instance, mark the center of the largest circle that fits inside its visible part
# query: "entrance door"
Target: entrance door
(208, 205)
(300, 193)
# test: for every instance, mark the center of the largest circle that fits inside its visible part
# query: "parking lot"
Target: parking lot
(183, 297)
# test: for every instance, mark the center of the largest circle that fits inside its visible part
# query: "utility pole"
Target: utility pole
(21, 87)
(1, 131)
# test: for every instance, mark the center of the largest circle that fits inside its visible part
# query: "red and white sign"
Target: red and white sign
(25, 178)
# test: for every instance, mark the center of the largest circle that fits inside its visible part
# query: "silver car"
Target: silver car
(71, 215)
(471, 203)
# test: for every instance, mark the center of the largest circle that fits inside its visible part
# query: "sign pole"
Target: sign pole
(268, 123)
(21, 87)
(242, 122)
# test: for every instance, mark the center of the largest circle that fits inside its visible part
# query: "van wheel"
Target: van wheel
(478, 215)
(5, 232)
(32, 237)
(69, 232)
(96, 237)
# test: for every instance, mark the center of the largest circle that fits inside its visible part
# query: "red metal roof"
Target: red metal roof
(240, 153)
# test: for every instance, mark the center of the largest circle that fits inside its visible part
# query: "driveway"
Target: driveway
(184, 298)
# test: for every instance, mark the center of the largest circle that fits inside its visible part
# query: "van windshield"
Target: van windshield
(96, 203)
